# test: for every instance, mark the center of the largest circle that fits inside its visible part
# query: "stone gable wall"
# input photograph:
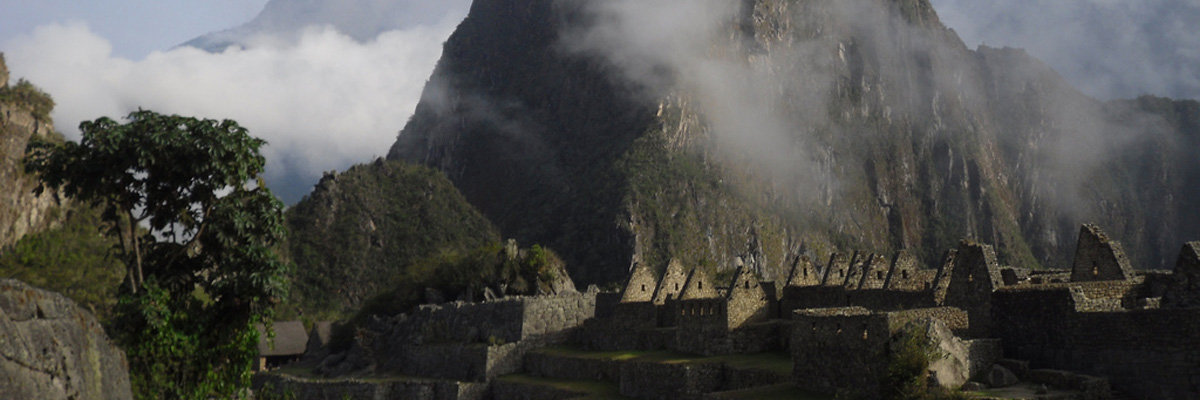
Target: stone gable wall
(671, 283)
(875, 272)
(798, 298)
(1098, 258)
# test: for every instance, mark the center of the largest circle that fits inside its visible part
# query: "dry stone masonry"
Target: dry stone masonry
(995, 326)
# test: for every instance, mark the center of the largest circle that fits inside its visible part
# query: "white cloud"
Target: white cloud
(1107, 48)
(323, 102)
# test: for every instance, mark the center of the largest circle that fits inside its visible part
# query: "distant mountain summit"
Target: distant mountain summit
(362, 20)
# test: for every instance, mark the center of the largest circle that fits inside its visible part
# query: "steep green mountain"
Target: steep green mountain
(615, 131)
(359, 230)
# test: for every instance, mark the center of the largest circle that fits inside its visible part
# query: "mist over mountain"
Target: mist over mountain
(635, 131)
(362, 20)
(1108, 49)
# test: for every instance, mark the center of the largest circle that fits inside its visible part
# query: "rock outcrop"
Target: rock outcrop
(21, 211)
(52, 349)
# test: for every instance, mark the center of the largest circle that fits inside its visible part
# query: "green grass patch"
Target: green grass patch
(779, 363)
(781, 391)
(587, 389)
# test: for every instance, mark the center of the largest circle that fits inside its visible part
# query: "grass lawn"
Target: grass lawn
(588, 389)
(781, 392)
(775, 362)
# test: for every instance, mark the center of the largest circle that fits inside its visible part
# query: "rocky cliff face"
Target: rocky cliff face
(53, 349)
(619, 131)
(21, 211)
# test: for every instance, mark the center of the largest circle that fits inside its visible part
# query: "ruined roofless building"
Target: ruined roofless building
(803, 273)
(1097, 258)
(640, 287)
(671, 284)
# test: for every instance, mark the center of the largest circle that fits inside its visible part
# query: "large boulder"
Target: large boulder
(952, 368)
(51, 349)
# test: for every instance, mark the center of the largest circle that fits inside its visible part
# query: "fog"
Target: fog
(322, 99)
(1109, 49)
(766, 100)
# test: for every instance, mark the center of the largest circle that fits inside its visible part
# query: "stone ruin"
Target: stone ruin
(1133, 330)
(1081, 333)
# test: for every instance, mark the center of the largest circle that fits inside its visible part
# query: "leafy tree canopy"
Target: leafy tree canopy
(197, 229)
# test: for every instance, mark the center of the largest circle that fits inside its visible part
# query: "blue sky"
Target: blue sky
(135, 27)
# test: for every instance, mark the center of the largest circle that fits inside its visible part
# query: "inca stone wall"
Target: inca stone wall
(52, 349)
(1152, 353)
(974, 276)
(467, 341)
(313, 389)
(839, 349)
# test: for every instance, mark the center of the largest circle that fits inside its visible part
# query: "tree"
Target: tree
(197, 230)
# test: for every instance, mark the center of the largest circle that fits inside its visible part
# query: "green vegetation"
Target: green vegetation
(778, 363)
(586, 389)
(27, 95)
(359, 230)
(453, 274)
(74, 259)
(196, 229)
(785, 391)
(908, 361)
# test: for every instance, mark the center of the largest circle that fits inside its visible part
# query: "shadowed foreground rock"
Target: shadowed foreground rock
(50, 348)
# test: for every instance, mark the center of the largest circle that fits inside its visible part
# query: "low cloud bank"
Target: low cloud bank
(1109, 49)
(323, 102)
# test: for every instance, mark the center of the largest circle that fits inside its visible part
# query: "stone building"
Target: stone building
(993, 324)
(1101, 317)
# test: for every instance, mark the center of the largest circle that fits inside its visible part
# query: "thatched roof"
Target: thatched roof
(290, 339)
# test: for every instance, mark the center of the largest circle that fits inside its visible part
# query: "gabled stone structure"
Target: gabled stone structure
(1183, 290)
(903, 274)
(941, 283)
(803, 273)
(698, 286)
(640, 287)
(836, 270)
(974, 276)
(747, 301)
(1097, 258)
(671, 284)
(874, 272)
(854, 273)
